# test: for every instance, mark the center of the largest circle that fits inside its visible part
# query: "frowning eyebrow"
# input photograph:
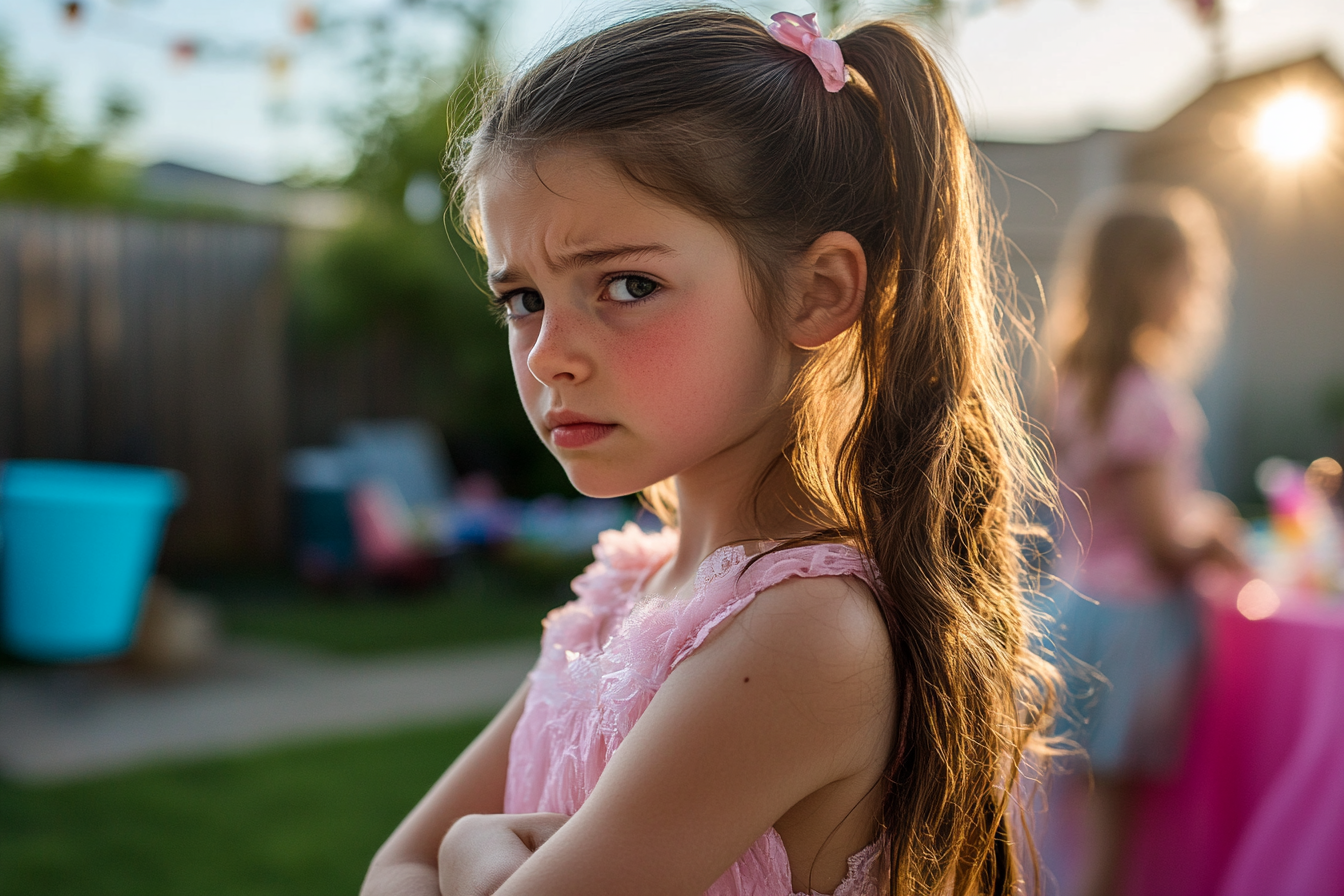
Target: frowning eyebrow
(572, 260)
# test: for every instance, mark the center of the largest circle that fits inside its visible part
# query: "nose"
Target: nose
(557, 355)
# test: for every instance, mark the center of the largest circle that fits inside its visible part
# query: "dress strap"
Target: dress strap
(729, 580)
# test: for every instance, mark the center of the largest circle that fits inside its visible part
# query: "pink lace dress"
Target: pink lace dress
(604, 656)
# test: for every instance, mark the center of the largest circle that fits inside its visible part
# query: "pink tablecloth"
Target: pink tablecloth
(1258, 806)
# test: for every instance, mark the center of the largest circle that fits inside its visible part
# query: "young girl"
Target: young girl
(1142, 293)
(742, 273)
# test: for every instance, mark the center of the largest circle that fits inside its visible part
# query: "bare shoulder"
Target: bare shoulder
(824, 619)
(821, 644)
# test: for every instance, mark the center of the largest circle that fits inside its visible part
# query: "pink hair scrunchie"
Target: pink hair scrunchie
(802, 34)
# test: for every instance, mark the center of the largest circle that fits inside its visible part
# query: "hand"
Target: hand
(1226, 548)
(480, 852)
(1221, 570)
(1211, 534)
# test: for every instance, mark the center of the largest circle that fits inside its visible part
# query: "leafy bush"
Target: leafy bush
(41, 160)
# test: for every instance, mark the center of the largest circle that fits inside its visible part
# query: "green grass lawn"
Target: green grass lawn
(294, 821)
(483, 600)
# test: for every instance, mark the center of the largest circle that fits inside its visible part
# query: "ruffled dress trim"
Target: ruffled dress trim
(604, 656)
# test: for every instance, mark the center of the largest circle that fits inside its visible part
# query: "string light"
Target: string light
(305, 19)
(184, 50)
(1207, 10)
(277, 66)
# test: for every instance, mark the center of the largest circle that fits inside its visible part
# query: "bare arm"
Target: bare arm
(480, 852)
(1174, 541)
(790, 697)
(407, 864)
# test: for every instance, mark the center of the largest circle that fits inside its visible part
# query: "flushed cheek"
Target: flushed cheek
(680, 376)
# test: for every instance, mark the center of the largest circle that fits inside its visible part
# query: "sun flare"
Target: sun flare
(1292, 127)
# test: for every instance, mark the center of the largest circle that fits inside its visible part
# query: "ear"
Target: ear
(831, 276)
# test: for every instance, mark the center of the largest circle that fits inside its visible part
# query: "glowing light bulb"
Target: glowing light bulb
(1293, 127)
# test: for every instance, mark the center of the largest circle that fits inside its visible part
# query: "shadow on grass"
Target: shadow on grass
(294, 821)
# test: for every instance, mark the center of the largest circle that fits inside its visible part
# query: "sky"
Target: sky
(1026, 70)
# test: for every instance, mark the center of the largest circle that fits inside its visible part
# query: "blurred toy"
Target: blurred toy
(479, 514)
(1325, 476)
(177, 632)
(385, 502)
(570, 527)
(1300, 548)
(370, 505)
(389, 544)
(322, 536)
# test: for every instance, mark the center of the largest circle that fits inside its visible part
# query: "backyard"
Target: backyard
(277, 304)
(295, 819)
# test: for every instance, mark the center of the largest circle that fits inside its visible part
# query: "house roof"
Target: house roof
(317, 209)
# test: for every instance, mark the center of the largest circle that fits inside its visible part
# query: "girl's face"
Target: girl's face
(635, 348)
(1169, 291)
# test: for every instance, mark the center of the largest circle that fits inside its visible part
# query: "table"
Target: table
(1257, 808)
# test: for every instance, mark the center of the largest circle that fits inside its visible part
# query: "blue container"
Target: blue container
(79, 541)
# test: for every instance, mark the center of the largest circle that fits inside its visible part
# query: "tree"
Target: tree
(411, 280)
(41, 160)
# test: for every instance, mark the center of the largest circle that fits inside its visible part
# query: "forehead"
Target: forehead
(568, 199)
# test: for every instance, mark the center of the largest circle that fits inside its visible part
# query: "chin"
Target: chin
(605, 483)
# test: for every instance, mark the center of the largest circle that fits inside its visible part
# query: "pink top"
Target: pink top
(604, 656)
(1150, 420)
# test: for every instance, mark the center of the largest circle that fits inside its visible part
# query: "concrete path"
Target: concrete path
(70, 722)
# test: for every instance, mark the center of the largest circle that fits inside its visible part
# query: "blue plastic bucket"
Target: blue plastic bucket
(79, 544)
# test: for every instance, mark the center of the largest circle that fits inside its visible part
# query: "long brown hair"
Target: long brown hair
(908, 433)
(1105, 284)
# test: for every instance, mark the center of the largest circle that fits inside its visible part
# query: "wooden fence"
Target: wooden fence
(152, 341)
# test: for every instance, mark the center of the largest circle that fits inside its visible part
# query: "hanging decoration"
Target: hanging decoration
(306, 21)
(1210, 14)
(1207, 10)
(184, 50)
(277, 66)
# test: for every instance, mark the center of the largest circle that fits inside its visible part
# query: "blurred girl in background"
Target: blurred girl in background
(1140, 307)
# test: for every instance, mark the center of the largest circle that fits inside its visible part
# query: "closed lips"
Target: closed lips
(577, 435)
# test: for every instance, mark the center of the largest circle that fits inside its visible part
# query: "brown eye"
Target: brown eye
(631, 288)
(524, 302)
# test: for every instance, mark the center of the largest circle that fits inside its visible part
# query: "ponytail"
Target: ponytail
(930, 477)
